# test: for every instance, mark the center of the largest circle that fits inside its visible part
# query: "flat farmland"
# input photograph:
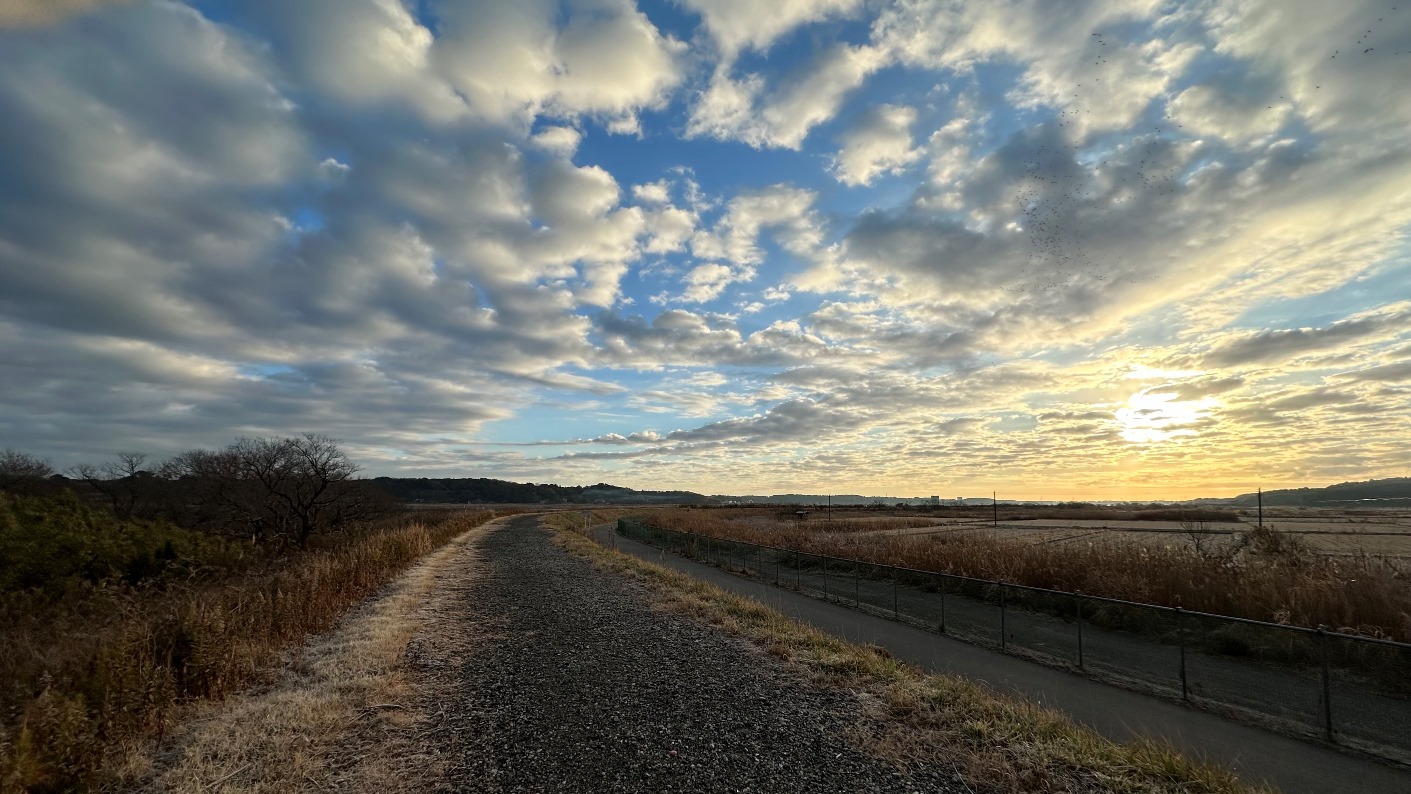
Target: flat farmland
(1329, 532)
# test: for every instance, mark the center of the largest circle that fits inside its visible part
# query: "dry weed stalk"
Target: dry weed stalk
(1263, 575)
(86, 685)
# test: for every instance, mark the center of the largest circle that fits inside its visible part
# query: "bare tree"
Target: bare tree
(21, 472)
(217, 489)
(278, 489)
(316, 489)
(1198, 532)
(122, 480)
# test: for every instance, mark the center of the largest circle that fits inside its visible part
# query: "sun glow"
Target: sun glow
(1152, 416)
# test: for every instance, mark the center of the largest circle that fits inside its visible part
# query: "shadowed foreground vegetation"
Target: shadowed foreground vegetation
(112, 624)
(1261, 574)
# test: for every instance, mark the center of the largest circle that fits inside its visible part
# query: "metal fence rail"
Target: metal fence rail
(1338, 687)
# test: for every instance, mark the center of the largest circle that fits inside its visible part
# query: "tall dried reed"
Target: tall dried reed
(82, 685)
(1265, 578)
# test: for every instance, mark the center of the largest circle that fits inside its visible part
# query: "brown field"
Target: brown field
(1346, 570)
(1384, 537)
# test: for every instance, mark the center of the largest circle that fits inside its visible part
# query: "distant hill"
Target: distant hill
(1389, 492)
(482, 490)
(1392, 492)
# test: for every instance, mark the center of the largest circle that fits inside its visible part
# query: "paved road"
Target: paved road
(1285, 692)
(578, 685)
(1120, 714)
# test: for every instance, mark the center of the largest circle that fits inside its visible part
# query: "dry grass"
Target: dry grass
(116, 678)
(1273, 578)
(996, 742)
(344, 717)
(575, 521)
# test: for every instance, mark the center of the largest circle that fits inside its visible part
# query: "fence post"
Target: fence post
(896, 577)
(856, 585)
(943, 602)
(1079, 602)
(1327, 684)
(825, 578)
(1003, 613)
(798, 572)
(1181, 634)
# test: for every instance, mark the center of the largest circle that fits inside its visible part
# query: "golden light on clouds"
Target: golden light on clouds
(1152, 416)
(581, 243)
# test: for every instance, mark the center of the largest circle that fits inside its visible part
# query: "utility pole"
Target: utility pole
(994, 502)
(1261, 507)
(830, 507)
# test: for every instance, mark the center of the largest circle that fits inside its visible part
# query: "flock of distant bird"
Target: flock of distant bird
(1057, 189)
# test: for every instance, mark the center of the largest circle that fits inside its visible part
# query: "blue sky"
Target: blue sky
(1097, 250)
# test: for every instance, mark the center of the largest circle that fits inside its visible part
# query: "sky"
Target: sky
(1079, 250)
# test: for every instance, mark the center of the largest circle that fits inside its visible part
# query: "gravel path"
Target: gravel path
(579, 686)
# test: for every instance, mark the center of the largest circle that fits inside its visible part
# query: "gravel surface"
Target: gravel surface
(579, 686)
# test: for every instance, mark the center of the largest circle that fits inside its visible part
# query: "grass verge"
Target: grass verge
(347, 716)
(996, 742)
(110, 682)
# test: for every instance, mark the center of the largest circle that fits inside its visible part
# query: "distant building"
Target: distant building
(935, 500)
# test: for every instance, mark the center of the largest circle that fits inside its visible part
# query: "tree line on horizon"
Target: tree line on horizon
(274, 491)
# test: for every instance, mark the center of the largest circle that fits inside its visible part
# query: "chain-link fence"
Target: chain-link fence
(1342, 688)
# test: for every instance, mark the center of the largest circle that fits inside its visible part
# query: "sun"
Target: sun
(1151, 416)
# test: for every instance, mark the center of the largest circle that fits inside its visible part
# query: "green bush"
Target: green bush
(54, 543)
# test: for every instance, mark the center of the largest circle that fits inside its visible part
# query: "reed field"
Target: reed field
(1258, 573)
(136, 619)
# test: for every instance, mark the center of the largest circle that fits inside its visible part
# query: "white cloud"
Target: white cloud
(782, 117)
(361, 52)
(1334, 64)
(511, 61)
(1236, 120)
(745, 24)
(727, 107)
(879, 142)
(1078, 61)
(670, 229)
(783, 208)
(561, 141)
(706, 282)
(657, 192)
(332, 171)
(565, 193)
(951, 155)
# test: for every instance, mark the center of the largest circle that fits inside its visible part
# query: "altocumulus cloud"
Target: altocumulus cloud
(1109, 249)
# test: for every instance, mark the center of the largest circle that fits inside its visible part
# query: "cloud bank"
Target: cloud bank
(1109, 250)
